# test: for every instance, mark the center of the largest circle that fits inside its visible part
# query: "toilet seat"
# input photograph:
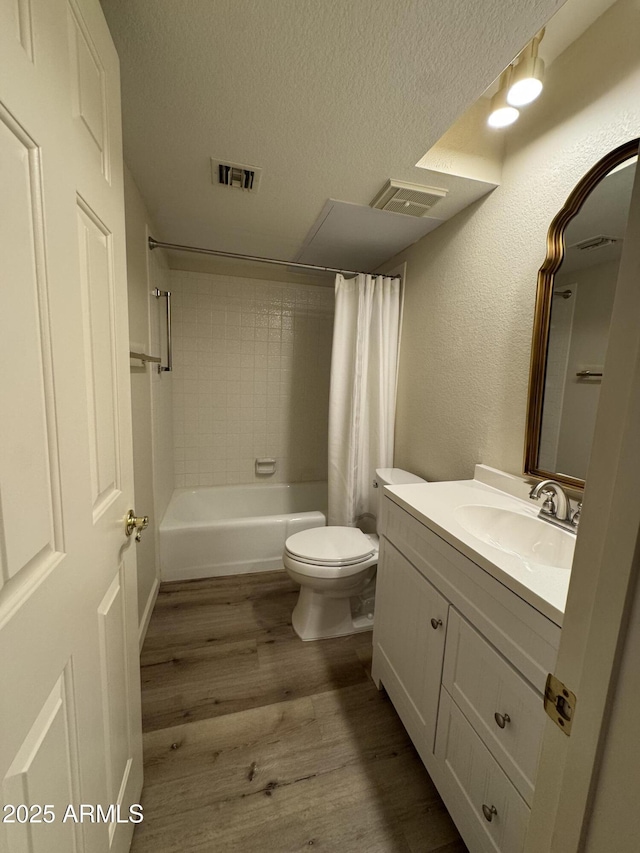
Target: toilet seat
(324, 572)
(331, 546)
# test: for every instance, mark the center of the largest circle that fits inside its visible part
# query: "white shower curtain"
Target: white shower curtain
(362, 398)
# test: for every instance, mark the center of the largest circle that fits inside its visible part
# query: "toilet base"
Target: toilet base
(316, 616)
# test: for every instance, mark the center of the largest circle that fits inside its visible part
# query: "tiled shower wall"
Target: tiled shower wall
(251, 378)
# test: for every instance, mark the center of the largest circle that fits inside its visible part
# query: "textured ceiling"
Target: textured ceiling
(329, 97)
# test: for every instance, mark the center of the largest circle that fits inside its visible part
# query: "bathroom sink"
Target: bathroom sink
(497, 529)
(536, 542)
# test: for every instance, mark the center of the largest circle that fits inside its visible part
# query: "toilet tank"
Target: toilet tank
(393, 477)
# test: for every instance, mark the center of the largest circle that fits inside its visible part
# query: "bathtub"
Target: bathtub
(228, 530)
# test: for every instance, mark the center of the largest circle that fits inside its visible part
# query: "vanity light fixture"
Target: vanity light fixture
(502, 113)
(528, 75)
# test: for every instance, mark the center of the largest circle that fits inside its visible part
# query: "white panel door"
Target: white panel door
(70, 700)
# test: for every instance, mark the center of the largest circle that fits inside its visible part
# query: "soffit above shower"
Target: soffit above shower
(356, 236)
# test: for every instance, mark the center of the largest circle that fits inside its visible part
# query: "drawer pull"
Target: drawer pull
(502, 719)
(489, 812)
(436, 623)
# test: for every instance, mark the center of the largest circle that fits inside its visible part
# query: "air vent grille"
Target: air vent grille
(410, 199)
(240, 177)
(598, 242)
(406, 207)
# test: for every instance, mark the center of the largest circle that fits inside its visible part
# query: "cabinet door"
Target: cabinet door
(408, 644)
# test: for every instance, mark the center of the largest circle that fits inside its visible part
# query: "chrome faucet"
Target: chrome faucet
(556, 508)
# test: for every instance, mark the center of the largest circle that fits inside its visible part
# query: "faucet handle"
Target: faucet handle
(575, 518)
(548, 504)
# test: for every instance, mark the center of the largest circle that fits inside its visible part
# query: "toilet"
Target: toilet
(335, 568)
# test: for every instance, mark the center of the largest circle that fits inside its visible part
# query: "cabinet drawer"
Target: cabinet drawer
(484, 684)
(474, 780)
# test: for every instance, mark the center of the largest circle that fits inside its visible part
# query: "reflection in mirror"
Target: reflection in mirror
(584, 288)
(574, 303)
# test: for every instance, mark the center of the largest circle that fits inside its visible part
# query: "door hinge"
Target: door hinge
(559, 703)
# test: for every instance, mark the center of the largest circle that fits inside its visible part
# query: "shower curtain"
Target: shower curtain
(362, 397)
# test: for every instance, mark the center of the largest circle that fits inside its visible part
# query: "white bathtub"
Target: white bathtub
(228, 530)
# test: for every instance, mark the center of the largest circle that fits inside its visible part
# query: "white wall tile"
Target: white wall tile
(251, 378)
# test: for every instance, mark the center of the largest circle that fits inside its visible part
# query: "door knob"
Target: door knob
(138, 523)
(436, 623)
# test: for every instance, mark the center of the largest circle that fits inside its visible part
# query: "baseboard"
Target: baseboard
(148, 610)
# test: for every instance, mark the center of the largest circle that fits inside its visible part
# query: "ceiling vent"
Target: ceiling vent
(410, 199)
(234, 175)
(598, 242)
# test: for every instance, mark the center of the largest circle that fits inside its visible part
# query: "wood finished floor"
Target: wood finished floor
(257, 742)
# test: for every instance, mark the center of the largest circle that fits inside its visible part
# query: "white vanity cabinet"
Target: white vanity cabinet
(464, 660)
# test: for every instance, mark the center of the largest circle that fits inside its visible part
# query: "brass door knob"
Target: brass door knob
(138, 523)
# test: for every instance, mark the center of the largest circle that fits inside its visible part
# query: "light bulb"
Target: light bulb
(526, 83)
(524, 91)
(503, 116)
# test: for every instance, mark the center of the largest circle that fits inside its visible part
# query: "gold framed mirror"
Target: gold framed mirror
(574, 298)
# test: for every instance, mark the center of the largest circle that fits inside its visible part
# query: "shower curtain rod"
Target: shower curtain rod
(158, 244)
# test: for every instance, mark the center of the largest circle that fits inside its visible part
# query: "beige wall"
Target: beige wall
(252, 361)
(470, 286)
(150, 395)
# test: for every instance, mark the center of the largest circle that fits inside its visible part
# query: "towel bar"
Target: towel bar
(167, 295)
(142, 356)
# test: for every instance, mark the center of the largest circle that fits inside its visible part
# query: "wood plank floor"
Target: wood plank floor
(257, 742)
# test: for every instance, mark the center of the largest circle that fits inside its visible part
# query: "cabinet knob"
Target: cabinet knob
(436, 623)
(502, 719)
(489, 811)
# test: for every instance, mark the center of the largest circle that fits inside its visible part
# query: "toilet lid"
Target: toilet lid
(330, 545)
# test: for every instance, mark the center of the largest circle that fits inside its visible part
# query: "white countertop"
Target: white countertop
(434, 504)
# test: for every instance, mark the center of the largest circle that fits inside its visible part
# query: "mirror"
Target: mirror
(574, 301)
